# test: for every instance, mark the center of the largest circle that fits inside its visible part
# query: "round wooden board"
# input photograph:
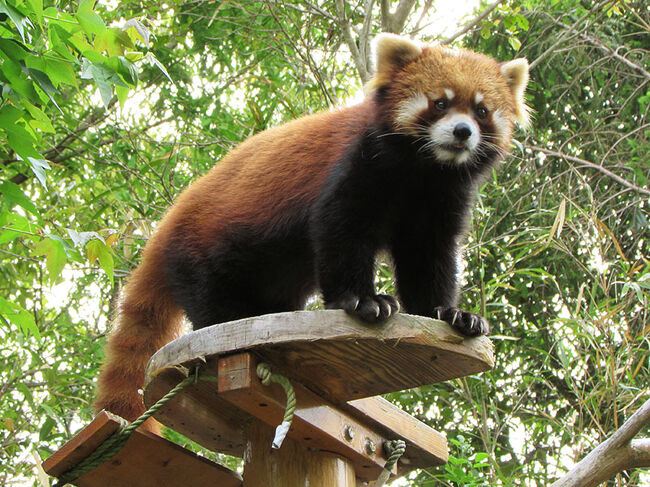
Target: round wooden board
(335, 355)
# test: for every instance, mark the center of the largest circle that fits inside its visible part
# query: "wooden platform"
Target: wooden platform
(329, 355)
(337, 366)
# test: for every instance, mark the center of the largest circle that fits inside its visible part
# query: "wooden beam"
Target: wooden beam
(425, 447)
(317, 424)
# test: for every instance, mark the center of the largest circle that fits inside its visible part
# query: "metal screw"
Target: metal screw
(348, 432)
(370, 446)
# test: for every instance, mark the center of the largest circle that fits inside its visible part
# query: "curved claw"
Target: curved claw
(469, 324)
(371, 309)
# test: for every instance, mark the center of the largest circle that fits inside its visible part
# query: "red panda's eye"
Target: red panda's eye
(441, 105)
(481, 112)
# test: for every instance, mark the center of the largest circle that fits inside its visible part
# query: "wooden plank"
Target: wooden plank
(198, 412)
(316, 424)
(82, 444)
(425, 447)
(335, 355)
(145, 460)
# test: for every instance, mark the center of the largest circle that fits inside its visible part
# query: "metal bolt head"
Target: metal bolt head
(370, 446)
(348, 432)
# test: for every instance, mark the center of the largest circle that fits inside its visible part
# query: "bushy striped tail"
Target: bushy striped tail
(147, 318)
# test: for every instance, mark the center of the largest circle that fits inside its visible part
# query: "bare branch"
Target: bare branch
(613, 53)
(472, 23)
(394, 22)
(615, 454)
(401, 14)
(569, 33)
(359, 60)
(364, 35)
(592, 165)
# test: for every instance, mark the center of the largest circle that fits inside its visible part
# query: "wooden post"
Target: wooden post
(293, 465)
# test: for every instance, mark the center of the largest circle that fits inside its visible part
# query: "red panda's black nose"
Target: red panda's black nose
(462, 131)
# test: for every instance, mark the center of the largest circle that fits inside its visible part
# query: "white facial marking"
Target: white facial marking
(478, 98)
(448, 147)
(449, 94)
(500, 124)
(409, 111)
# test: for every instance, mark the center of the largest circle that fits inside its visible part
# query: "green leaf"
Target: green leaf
(39, 166)
(60, 72)
(90, 22)
(23, 319)
(37, 7)
(39, 116)
(97, 249)
(19, 20)
(17, 222)
(21, 141)
(522, 22)
(122, 94)
(514, 42)
(134, 26)
(15, 196)
(9, 115)
(14, 49)
(60, 40)
(46, 429)
(53, 249)
(43, 81)
(17, 79)
(104, 77)
(152, 59)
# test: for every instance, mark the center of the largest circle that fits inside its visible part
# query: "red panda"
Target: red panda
(307, 205)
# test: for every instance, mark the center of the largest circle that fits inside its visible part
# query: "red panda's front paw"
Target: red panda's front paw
(371, 309)
(469, 324)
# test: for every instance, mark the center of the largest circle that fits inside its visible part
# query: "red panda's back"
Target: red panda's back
(278, 170)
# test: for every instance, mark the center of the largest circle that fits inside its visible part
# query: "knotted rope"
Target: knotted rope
(266, 377)
(394, 450)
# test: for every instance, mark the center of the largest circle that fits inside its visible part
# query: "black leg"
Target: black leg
(426, 275)
(348, 225)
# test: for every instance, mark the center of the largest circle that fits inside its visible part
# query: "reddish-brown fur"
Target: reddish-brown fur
(264, 179)
(281, 167)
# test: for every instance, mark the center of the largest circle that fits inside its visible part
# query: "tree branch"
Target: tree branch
(619, 452)
(359, 60)
(597, 43)
(565, 36)
(394, 22)
(473, 23)
(592, 165)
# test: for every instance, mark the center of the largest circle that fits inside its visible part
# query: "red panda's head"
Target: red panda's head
(462, 104)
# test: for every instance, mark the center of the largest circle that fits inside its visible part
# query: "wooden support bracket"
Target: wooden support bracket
(316, 423)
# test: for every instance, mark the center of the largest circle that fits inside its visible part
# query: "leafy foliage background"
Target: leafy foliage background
(107, 111)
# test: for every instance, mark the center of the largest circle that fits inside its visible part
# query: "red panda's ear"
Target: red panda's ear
(516, 74)
(391, 52)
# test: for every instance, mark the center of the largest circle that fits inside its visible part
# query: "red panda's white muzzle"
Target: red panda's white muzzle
(455, 138)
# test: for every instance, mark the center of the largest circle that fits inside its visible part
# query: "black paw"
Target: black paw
(371, 309)
(469, 324)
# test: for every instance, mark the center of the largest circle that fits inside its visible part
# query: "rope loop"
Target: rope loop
(266, 377)
(393, 450)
